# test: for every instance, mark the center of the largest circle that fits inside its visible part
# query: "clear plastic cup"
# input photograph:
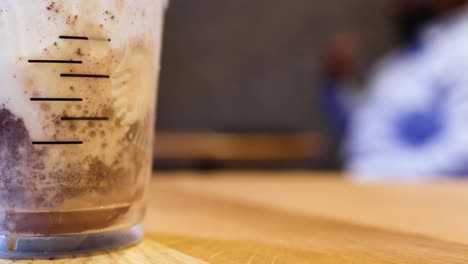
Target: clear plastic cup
(77, 110)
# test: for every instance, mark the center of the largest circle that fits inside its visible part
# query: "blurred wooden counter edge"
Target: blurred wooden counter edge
(226, 146)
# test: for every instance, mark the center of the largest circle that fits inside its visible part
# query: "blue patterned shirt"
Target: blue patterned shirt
(413, 122)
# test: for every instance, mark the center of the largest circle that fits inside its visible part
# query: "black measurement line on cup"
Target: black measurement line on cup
(80, 75)
(56, 61)
(56, 99)
(69, 118)
(74, 37)
(84, 38)
(57, 142)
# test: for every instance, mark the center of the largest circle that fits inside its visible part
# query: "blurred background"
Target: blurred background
(242, 84)
(234, 69)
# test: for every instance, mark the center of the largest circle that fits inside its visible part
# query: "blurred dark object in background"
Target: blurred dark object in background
(243, 66)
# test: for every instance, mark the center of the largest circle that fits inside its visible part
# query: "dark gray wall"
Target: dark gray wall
(250, 65)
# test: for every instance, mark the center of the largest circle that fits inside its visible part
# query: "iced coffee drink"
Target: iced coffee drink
(77, 104)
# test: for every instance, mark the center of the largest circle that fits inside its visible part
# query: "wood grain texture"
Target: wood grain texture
(255, 217)
(437, 209)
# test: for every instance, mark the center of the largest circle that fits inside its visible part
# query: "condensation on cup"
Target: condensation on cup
(77, 110)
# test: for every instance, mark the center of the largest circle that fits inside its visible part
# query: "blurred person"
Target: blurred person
(411, 123)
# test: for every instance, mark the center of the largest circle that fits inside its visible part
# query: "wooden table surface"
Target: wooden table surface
(265, 217)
